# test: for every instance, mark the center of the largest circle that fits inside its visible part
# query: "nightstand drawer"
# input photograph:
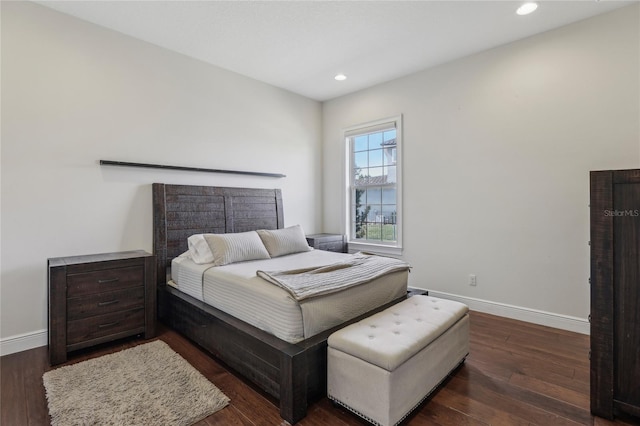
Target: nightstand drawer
(104, 303)
(328, 242)
(104, 280)
(337, 246)
(104, 325)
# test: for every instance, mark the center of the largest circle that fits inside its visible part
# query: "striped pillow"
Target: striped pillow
(238, 247)
(284, 241)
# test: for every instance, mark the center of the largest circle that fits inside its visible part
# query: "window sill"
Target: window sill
(375, 249)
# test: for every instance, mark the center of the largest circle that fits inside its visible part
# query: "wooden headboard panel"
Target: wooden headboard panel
(183, 210)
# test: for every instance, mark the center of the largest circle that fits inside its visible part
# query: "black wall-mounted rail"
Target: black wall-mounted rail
(189, 169)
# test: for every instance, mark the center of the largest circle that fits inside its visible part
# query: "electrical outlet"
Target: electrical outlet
(472, 280)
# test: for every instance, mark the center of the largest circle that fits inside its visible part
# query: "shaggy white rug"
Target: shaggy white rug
(148, 384)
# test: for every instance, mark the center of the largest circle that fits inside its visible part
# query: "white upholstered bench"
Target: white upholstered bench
(384, 366)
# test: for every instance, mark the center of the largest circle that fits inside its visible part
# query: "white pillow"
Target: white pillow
(284, 241)
(238, 247)
(199, 249)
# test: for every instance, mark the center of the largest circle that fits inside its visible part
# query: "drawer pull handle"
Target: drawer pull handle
(111, 324)
(110, 280)
(110, 302)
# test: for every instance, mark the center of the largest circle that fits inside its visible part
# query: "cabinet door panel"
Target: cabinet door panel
(626, 231)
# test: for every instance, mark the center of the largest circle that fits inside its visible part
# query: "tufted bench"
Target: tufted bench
(384, 366)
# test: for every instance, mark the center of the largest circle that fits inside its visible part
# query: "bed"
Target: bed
(294, 372)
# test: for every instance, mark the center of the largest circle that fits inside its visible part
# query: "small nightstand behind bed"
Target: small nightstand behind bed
(328, 242)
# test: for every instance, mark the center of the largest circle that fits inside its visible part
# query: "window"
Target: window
(374, 185)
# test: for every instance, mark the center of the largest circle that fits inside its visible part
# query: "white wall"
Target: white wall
(497, 152)
(74, 93)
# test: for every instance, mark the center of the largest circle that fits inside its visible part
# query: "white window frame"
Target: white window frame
(391, 248)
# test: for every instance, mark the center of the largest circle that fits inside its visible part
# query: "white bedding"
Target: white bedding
(237, 290)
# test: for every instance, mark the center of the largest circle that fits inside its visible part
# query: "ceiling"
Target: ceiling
(301, 45)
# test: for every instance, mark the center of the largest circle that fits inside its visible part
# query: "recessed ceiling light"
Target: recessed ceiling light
(527, 8)
(340, 77)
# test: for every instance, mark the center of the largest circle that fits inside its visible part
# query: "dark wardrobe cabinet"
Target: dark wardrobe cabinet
(615, 292)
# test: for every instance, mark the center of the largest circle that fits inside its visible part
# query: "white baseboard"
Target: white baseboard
(23, 342)
(549, 319)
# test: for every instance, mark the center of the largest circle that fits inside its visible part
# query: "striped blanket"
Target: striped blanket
(310, 282)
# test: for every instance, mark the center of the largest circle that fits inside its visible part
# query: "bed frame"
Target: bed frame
(295, 374)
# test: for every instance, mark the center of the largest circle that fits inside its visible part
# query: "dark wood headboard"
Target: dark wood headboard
(180, 211)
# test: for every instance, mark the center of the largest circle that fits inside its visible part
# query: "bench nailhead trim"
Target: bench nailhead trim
(358, 413)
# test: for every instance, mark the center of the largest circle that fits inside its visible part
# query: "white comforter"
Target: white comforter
(237, 290)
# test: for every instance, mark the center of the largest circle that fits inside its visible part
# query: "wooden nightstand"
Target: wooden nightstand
(98, 298)
(328, 242)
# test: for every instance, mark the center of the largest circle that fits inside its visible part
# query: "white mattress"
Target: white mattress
(237, 290)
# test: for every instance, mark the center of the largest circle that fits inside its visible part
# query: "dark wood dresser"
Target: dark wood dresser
(615, 293)
(328, 242)
(98, 298)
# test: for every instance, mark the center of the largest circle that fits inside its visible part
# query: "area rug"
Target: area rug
(148, 384)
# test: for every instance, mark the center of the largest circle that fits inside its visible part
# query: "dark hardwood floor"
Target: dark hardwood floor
(516, 374)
